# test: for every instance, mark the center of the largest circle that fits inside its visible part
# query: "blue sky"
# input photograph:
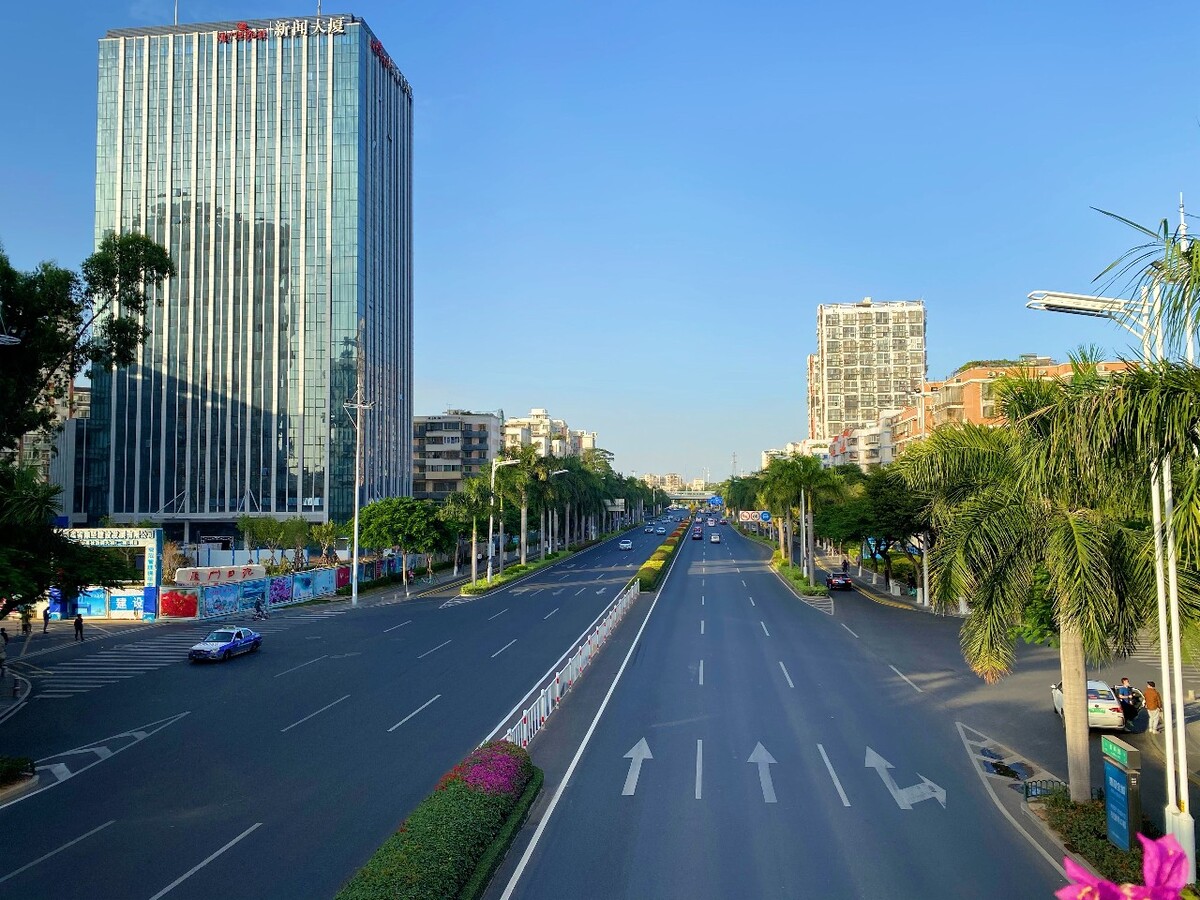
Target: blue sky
(627, 212)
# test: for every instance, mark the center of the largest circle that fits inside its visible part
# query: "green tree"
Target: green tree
(1009, 506)
(896, 514)
(295, 534)
(67, 320)
(324, 535)
(399, 523)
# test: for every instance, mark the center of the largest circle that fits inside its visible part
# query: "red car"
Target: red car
(838, 582)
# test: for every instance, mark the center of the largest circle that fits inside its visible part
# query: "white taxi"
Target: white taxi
(1104, 710)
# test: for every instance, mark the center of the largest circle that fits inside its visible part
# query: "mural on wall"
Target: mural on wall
(125, 605)
(220, 599)
(343, 576)
(179, 602)
(302, 586)
(253, 591)
(324, 582)
(92, 602)
(281, 589)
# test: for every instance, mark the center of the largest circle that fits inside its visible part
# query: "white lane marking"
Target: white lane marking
(832, 774)
(602, 590)
(736, 569)
(701, 673)
(438, 647)
(192, 871)
(413, 713)
(702, 626)
(762, 758)
(46, 856)
(847, 627)
(752, 603)
(638, 754)
(310, 715)
(562, 785)
(549, 614)
(702, 582)
(905, 677)
(505, 647)
(785, 674)
(394, 627)
(302, 665)
(535, 593)
(699, 766)
(556, 593)
(743, 582)
(499, 614)
(580, 591)
(764, 627)
(701, 599)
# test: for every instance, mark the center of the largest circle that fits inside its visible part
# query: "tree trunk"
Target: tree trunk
(1074, 687)
(567, 527)
(812, 548)
(782, 539)
(474, 549)
(524, 525)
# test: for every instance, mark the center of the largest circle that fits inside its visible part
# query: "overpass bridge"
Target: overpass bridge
(690, 496)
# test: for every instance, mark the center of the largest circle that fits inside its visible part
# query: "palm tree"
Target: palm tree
(1012, 509)
(472, 502)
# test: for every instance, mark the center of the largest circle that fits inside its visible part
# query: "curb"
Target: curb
(1156, 745)
(21, 699)
(13, 791)
(552, 565)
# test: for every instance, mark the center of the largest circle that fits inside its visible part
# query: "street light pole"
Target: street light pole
(497, 462)
(1143, 320)
(358, 406)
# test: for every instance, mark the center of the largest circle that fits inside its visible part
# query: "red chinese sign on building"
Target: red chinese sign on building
(244, 33)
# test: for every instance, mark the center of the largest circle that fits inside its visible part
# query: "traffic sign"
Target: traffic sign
(746, 515)
(715, 501)
(765, 516)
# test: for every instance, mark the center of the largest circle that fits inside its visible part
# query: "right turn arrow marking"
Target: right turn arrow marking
(637, 754)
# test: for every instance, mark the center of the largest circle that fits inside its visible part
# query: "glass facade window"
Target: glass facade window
(274, 161)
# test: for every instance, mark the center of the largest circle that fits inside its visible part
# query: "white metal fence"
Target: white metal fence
(525, 721)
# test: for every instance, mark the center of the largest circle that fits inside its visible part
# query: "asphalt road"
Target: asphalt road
(788, 755)
(278, 773)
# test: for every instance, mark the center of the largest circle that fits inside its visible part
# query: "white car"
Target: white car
(712, 523)
(625, 545)
(1104, 710)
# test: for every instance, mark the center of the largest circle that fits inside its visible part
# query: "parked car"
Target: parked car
(224, 643)
(1104, 710)
(625, 545)
(836, 581)
(715, 537)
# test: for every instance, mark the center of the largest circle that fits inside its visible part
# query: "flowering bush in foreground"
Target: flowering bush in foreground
(1164, 867)
(438, 848)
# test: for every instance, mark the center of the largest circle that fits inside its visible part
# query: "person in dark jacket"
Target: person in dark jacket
(79, 626)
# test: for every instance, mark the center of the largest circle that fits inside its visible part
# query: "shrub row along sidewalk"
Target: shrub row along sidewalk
(453, 841)
(794, 575)
(652, 570)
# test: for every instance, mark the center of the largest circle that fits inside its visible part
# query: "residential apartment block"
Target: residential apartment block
(450, 448)
(870, 358)
(551, 437)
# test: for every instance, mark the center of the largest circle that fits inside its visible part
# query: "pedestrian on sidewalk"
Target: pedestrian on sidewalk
(79, 626)
(1125, 698)
(46, 619)
(26, 620)
(1154, 707)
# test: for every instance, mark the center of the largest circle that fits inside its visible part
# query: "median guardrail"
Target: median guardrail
(529, 716)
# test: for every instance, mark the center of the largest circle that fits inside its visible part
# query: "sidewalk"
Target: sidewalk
(877, 592)
(14, 691)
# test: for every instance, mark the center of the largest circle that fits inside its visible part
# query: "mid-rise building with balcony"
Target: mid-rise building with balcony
(551, 437)
(450, 448)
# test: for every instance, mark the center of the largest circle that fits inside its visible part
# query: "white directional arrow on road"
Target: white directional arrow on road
(905, 797)
(761, 758)
(637, 754)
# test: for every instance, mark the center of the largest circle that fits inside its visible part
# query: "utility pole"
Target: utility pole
(356, 404)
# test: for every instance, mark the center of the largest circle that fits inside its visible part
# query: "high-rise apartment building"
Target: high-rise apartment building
(274, 159)
(450, 448)
(870, 358)
(551, 437)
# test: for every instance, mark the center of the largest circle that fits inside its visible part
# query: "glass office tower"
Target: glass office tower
(274, 159)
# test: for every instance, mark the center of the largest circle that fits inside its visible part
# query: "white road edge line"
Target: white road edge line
(505, 647)
(192, 871)
(832, 774)
(45, 857)
(787, 676)
(413, 713)
(549, 614)
(438, 647)
(301, 666)
(905, 677)
(310, 715)
(764, 627)
(847, 627)
(394, 627)
(499, 614)
(537, 835)
(699, 766)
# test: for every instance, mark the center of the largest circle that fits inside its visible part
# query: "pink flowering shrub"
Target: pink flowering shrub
(1164, 869)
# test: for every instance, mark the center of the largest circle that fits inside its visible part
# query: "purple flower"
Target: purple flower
(1164, 868)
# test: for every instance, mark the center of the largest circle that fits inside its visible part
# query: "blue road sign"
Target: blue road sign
(765, 516)
(715, 501)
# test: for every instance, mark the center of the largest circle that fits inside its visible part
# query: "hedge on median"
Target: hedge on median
(796, 578)
(510, 573)
(455, 832)
(652, 570)
(14, 769)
